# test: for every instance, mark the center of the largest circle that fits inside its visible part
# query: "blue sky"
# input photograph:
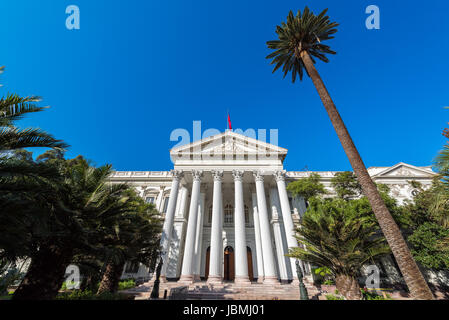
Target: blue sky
(137, 70)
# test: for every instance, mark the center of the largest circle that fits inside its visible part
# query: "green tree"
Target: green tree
(300, 42)
(134, 238)
(440, 208)
(430, 246)
(337, 235)
(427, 205)
(424, 221)
(307, 187)
(346, 185)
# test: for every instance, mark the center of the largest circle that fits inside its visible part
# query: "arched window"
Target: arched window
(228, 214)
(246, 214)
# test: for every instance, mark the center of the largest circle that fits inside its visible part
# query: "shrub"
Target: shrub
(126, 284)
(334, 297)
(64, 285)
(89, 295)
(366, 295)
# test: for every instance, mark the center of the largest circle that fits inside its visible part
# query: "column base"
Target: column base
(163, 279)
(186, 278)
(295, 282)
(244, 280)
(215, 280)
(271, 280)
(260, 280)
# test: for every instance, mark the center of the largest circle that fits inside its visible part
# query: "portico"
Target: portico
(237, 203)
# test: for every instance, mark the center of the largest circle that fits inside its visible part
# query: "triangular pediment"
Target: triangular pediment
(228, 143)
(404, 170)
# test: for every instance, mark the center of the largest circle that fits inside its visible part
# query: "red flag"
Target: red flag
(229, 122)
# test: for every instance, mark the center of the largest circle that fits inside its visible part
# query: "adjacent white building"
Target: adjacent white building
(227, 213)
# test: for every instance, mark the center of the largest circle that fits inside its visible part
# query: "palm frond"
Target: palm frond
(14, 107)
(14, 138)
(303, 32)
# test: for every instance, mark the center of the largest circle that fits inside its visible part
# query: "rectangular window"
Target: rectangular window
(150, 200)
(165, 205)
(290, 202)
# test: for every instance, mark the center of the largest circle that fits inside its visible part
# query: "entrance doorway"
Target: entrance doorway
(229, 265)
(206, 271)
(249, 256)
(229, 273)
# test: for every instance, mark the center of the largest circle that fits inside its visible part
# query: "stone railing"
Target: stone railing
(178, 293)
(304, 174)
(139, 174)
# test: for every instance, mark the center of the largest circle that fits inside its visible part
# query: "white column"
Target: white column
(241, 257)
(216, 238)
(199, 238)
(168, 222)
(267, 246)
(259, 254)
(287, 217)
(189, 250)
(180, 226)
(176, 234)
(280, 240)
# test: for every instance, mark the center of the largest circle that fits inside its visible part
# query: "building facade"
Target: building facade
(227, 213)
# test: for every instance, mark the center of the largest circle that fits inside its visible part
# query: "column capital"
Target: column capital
(280, 175)
(258, 175)
(197, 174)
(177, 174)
(218, 175)
(237, 174)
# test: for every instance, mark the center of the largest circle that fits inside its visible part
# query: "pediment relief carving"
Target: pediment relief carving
(404, 170)
(229, 144)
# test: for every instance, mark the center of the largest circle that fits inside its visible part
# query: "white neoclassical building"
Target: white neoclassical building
(227, 213)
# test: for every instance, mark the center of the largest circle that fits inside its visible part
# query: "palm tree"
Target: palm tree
(13, 108)
(134, 238)
(299, 44)
(66, 211)
(335, 234)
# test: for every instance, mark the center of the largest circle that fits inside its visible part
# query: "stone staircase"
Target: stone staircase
(225, 291)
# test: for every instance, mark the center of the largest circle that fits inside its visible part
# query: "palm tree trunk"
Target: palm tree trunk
(45, 274)
(412, 275)
(348, 286)
(111, 278)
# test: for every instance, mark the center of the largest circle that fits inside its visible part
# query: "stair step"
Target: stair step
(227, 291)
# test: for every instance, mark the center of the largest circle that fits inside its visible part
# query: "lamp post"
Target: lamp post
(303, 295)
(155, 291)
